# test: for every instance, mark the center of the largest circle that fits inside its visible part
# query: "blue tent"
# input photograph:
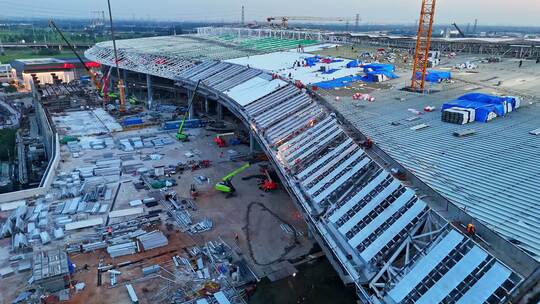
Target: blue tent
(435, 76)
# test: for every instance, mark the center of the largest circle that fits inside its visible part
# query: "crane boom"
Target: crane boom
(180, 134)
(225, 185)
(285, 19)
(235, 172)
(461, 33)
(88, 70)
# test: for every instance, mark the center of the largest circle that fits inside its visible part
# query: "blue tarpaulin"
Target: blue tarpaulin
(498, 102)
(310, 61)
(379, 67)
(354, 64)
(330, 71)
(435, 76)
(339, 82)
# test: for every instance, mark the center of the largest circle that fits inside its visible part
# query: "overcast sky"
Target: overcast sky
(488, 12)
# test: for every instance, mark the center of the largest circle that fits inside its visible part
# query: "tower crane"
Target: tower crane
(423, 42)
(285, 19)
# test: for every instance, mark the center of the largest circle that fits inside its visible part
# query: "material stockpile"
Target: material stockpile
(188, 124)
(14, 226)
(132, 121)
(202, 277)
(122, 249)
(183, 219)
(202, 226)
(154, 239)
(478, 107)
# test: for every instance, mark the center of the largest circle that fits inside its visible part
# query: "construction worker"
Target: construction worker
(520, 63)
(470, 229)
(236, 238)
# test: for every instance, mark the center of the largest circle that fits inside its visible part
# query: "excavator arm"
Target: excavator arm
(225, 185)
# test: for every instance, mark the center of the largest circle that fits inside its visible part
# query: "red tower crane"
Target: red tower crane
(423, 41)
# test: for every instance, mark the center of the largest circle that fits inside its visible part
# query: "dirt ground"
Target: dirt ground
(262, 243)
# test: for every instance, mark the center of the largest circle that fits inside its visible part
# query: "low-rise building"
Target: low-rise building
(46, 70)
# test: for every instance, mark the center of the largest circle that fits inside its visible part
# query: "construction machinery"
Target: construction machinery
(180, 133)
(423, 42)
(221, 139)
(92, 74)
(285, 19)
(267, 184)
(121, 85)
(225, 185)
(461, 33)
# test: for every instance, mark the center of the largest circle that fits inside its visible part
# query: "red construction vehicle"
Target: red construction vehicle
(221, 139)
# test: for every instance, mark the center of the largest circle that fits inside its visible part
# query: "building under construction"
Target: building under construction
(191, 167)
(387, 188)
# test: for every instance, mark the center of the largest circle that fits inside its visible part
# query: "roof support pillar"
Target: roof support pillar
(219, 108)
(191, 112)
(252, 142)
(124, 75)
(149, 90)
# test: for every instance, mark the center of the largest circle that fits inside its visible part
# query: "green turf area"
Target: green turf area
(10, 55)
(265, 44)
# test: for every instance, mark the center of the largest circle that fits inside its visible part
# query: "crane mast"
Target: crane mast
(423, 41)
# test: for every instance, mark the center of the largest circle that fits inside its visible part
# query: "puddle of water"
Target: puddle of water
(315, 283)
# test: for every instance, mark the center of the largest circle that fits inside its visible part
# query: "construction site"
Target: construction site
(194, 168)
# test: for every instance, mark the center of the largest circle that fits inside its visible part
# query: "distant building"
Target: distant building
(46, 70)
(6, 73)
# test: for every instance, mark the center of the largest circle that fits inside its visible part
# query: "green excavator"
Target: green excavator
(180, 133)
(225, 185)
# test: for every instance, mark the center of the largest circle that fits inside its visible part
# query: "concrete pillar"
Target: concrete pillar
(191, 112)
(124, 75)
(252, 142)
(219, 108)
(309, 233)
(149, 90)
(206, 105)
